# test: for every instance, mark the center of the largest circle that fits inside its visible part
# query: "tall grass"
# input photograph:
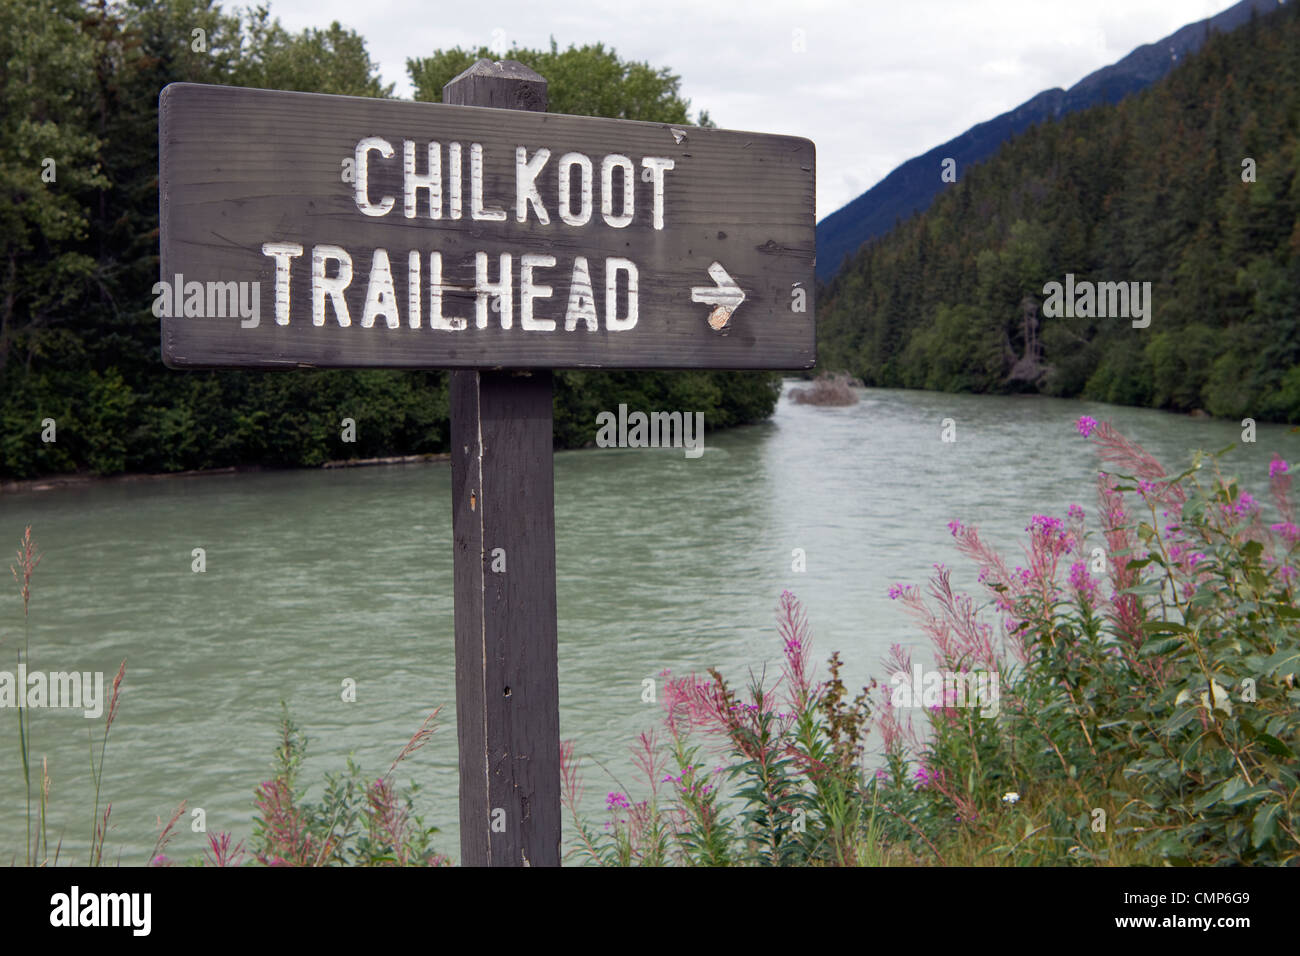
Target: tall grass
(28, 559)
(37, 852)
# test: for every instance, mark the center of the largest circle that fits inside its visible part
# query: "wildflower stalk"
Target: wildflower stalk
(28, 559)
(97, 772)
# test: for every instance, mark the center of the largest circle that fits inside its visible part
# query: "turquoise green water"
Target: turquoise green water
(663, 562)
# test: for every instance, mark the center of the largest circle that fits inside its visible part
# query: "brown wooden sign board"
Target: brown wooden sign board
(383, 233)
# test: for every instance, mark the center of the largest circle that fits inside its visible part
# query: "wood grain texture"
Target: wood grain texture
(507, 676)
(503, 517)
(241, 167)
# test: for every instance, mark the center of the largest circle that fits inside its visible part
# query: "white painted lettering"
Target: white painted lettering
(413, 182)
(613, 266)
(657, 166)
(529, 291)
(362, 193)
(476, 209)
(323, 285)
(583, 216)
(282, 252)
(582, 300)
(502, 291)
(526, 171)
(607, 166)
(380, 297)
(453, 161)
(451, 323)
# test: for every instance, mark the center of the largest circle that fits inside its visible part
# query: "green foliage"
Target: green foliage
(78, 256)
(48, 159)
(791, 793)
(334, 60)
(583, 81)
(355, 823)
(1158, 725)
(1149, 190)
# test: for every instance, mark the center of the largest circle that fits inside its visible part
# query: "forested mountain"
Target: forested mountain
(79, 344)
(912, 186)
(1192, 186)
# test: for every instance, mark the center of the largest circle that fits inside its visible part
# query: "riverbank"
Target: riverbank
(52, 482)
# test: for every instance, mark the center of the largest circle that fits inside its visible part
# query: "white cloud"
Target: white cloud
(879, 82)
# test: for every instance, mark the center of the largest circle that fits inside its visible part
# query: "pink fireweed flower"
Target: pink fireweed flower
(1082, 582)
(688, 704)
(1086, 425)
(1185, 556)
(1242, 507)
(1280, 486)
(219, 851)
(1049, 537)
(1126, 610)
(955, 527)
(796, 636)
(617, 801)
(896, 591)
(1045, 525)
(1287, 530)
(1075, 513)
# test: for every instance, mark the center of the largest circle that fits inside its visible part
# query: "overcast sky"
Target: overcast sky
(872, 83)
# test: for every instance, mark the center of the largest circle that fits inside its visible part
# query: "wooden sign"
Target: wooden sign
(304, 230)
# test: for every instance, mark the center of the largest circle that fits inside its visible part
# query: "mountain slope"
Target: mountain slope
(913, 185)
(1187, 193)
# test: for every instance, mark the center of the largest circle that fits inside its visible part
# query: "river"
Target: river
(664, 562)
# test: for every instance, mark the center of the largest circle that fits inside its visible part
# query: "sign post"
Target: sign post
(503, 524)
(489, 237)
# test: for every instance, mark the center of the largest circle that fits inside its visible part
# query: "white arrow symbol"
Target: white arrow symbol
(725, 297)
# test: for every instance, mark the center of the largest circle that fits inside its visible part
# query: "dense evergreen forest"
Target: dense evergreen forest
(1192, 185)
(79, 344)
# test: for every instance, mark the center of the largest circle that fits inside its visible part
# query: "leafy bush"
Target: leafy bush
(793, 761)
(1155, 718)
(354, 824)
